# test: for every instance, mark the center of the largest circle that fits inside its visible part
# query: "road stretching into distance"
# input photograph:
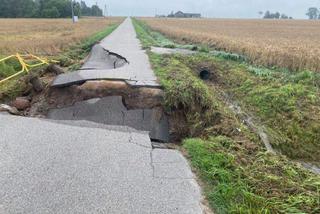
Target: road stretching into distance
(78, 166)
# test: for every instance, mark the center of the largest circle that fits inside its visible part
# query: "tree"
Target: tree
(85, 10)
(63, 6)
(313, 13)
(77, 9)
(51, 13)
(17, 8)
(267, 15)
(45, 8)
(276, 15)
(96, 11)
(171, 14)
(4, 9)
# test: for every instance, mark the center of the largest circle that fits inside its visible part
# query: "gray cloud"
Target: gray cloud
(209, 8)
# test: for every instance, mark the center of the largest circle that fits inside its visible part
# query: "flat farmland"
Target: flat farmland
(47, 36)
(293, 44)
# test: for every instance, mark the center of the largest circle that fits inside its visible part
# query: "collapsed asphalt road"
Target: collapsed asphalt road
(47, 167)
(118, 57)
(88, 161)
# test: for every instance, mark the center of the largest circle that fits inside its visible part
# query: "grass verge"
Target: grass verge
(285, 103)
(242, 181)
(239, 175)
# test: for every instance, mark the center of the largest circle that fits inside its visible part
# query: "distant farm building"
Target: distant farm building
(181, 14)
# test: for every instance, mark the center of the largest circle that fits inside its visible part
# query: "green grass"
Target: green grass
(239, 175)
(70, 59)
(6, 70)
(184, 91)
(150, 38)
(238, 182)
(287, 103)
(16, 86)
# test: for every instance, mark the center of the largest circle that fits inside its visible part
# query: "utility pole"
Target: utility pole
(105, 10)
(72, 11)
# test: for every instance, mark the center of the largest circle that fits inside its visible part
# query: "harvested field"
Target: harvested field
(293, 44)
(47, 36)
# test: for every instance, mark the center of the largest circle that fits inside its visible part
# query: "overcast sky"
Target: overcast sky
(208, 8)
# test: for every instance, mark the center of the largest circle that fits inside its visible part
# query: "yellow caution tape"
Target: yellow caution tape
(25, 67)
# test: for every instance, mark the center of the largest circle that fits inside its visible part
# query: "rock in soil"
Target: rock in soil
(21, 103)
(37, 84)
(11, 110)
(55, 69)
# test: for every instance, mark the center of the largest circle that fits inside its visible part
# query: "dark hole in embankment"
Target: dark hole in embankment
(204, 74)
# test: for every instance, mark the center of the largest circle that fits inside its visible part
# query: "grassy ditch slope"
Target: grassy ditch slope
(239, 175)
(70, 58)
(286, 103)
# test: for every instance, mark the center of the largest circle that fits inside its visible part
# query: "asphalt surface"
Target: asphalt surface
(111, 111)
(123, 42)
(93, 158)
(99, 58)
(48, 167)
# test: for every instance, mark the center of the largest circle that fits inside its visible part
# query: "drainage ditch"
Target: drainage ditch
(260, 131)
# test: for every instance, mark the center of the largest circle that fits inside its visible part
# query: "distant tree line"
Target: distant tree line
(313, 13)
(46, 9)
(276, 15)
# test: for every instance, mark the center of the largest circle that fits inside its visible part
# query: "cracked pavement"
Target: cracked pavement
(111, 111)
(49, 167)
(90, 161)
(122, 42)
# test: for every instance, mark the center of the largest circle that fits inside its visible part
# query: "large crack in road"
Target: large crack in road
(93, 152)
